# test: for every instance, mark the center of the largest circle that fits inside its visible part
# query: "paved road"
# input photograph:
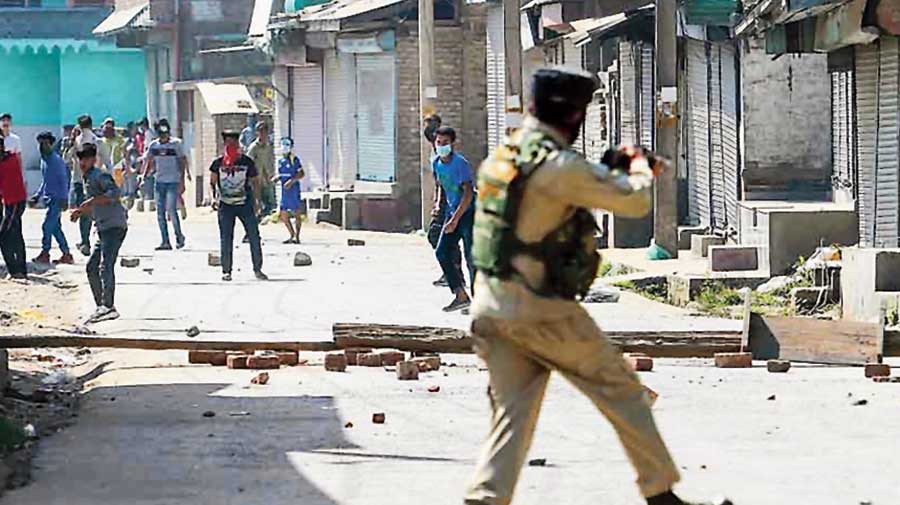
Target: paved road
(141, 437)
(386, 281)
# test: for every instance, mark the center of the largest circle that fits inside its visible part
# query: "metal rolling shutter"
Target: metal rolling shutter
(375, 119)
(716, 154)
(878, 143)
(307, 124)
(730, 137)
(628, 94)
(843, 142)
(496, 77)
(648, 94)
(340, 119)
(698, 145)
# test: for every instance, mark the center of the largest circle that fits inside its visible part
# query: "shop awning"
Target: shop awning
(226, 98)
(329, 16)
(632, 24)
(137, 16)
(259, 21)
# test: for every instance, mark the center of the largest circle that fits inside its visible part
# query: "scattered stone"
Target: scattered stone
(771, 398)
(407, 371)
(129, 262)
(391, 358)
(288, 358)
(894, 380)
(778, 366)
(261, 379)
(353, 352)
(428, 363)
(214, 358)
(302, 259)
(209, 413)
(369, 359)
(602, 294)
(214, 260)
(348, 425)
(860, 403)
(878, 370)
(434, 389)
(237, 361)
(192, 332)
(640, 363)
(353, 242)
(266, 362)
(538, 462)
(378, 418)
(733, 360)
(240, 413)
(335, 362)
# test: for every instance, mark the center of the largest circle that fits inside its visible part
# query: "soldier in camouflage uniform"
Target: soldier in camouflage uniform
(535, 252)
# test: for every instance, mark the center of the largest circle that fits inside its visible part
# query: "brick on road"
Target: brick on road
(215, 358)
(407, 371)
(237, 361)
(369, 359)
(266, 362)
(878, 370)
(733, 360)
(353, 352)
(391, 358)
(335, 362)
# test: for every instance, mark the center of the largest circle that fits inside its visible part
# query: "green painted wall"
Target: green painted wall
(103, 84)
(30, 87)
(46, 4)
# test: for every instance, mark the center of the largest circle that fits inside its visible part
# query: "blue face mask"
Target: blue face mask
(444, 150)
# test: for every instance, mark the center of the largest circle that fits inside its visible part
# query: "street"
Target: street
(141, 437)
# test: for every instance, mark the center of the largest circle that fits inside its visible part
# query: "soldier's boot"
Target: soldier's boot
(670, 498)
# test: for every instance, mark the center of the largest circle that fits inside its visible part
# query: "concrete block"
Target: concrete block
(640, 363)
(214, 260)
(878, 370)
(267, 362)
(301, 259)
(407, 371)
(354, 352)
(870, 284)
(391, 358)
(288, 358)
(214, 358)
(428, 363)
(732, 258)
(369, 359)
(733, 359)
(237, 361)
(700, 244)
(806, 298)
(129, 262)
(685, 233)
(335, 362)
(778, 365)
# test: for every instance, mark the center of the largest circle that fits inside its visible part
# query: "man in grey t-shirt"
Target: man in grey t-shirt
(166, 160)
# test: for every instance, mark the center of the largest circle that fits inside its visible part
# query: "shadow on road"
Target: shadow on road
(153, 444)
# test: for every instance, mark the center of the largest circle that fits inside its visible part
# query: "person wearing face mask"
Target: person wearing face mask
(234, 180)
(454, 173)
(166, 161)
(54, 191)
(290, 171)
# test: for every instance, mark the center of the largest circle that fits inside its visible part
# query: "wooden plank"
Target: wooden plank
(815, 340)
(31, 341)
(677, 344)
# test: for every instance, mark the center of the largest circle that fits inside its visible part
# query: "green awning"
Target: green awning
(710, 12)
(23, 45)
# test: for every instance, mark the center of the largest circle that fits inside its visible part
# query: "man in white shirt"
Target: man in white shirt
(12, 141)
(84, 134)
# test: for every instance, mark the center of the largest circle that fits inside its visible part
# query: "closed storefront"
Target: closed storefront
(376, 116)
(340, 119)
(307, 123)
(712, 142)
(496, 77)
(843, 130)
(636, 94)
(878, 142)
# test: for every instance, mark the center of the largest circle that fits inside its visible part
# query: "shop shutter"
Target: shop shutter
(698, 143)
(376, 115)
(723, 134)
(843, 141)
(716, 150)
(340, 119)
(628, 93)
(647, 96)
(307, 124)
(496, 77)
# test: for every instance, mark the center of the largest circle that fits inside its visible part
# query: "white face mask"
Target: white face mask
(444, 150)
(284, 148)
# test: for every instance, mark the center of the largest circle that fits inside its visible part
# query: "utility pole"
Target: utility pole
(665, 217)
(427, 99)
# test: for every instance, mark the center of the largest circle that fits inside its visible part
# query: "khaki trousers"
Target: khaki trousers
(520, 358)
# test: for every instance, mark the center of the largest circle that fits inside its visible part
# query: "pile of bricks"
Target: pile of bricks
(245, 360)
(407, 369)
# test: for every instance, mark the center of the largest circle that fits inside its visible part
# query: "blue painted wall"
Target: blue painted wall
(103, 84)
(30, 87)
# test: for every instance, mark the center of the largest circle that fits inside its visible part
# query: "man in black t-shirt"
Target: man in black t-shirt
(235, 188)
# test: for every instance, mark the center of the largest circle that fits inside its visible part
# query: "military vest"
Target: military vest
(568, 253)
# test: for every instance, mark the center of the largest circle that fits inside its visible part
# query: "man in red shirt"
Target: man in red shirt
(13, 198)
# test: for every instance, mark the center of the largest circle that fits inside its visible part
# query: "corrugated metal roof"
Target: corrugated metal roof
(121, 19)
(710, 12)
(227, 98)
(342, 9)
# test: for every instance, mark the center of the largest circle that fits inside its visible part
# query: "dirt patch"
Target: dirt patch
(45, 304)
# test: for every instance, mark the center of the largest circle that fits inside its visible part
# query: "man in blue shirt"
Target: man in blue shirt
(457, 188)
(290, 171)
(54, 191)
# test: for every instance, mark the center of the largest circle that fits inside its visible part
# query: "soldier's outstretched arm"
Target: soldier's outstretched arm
(590, 185)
